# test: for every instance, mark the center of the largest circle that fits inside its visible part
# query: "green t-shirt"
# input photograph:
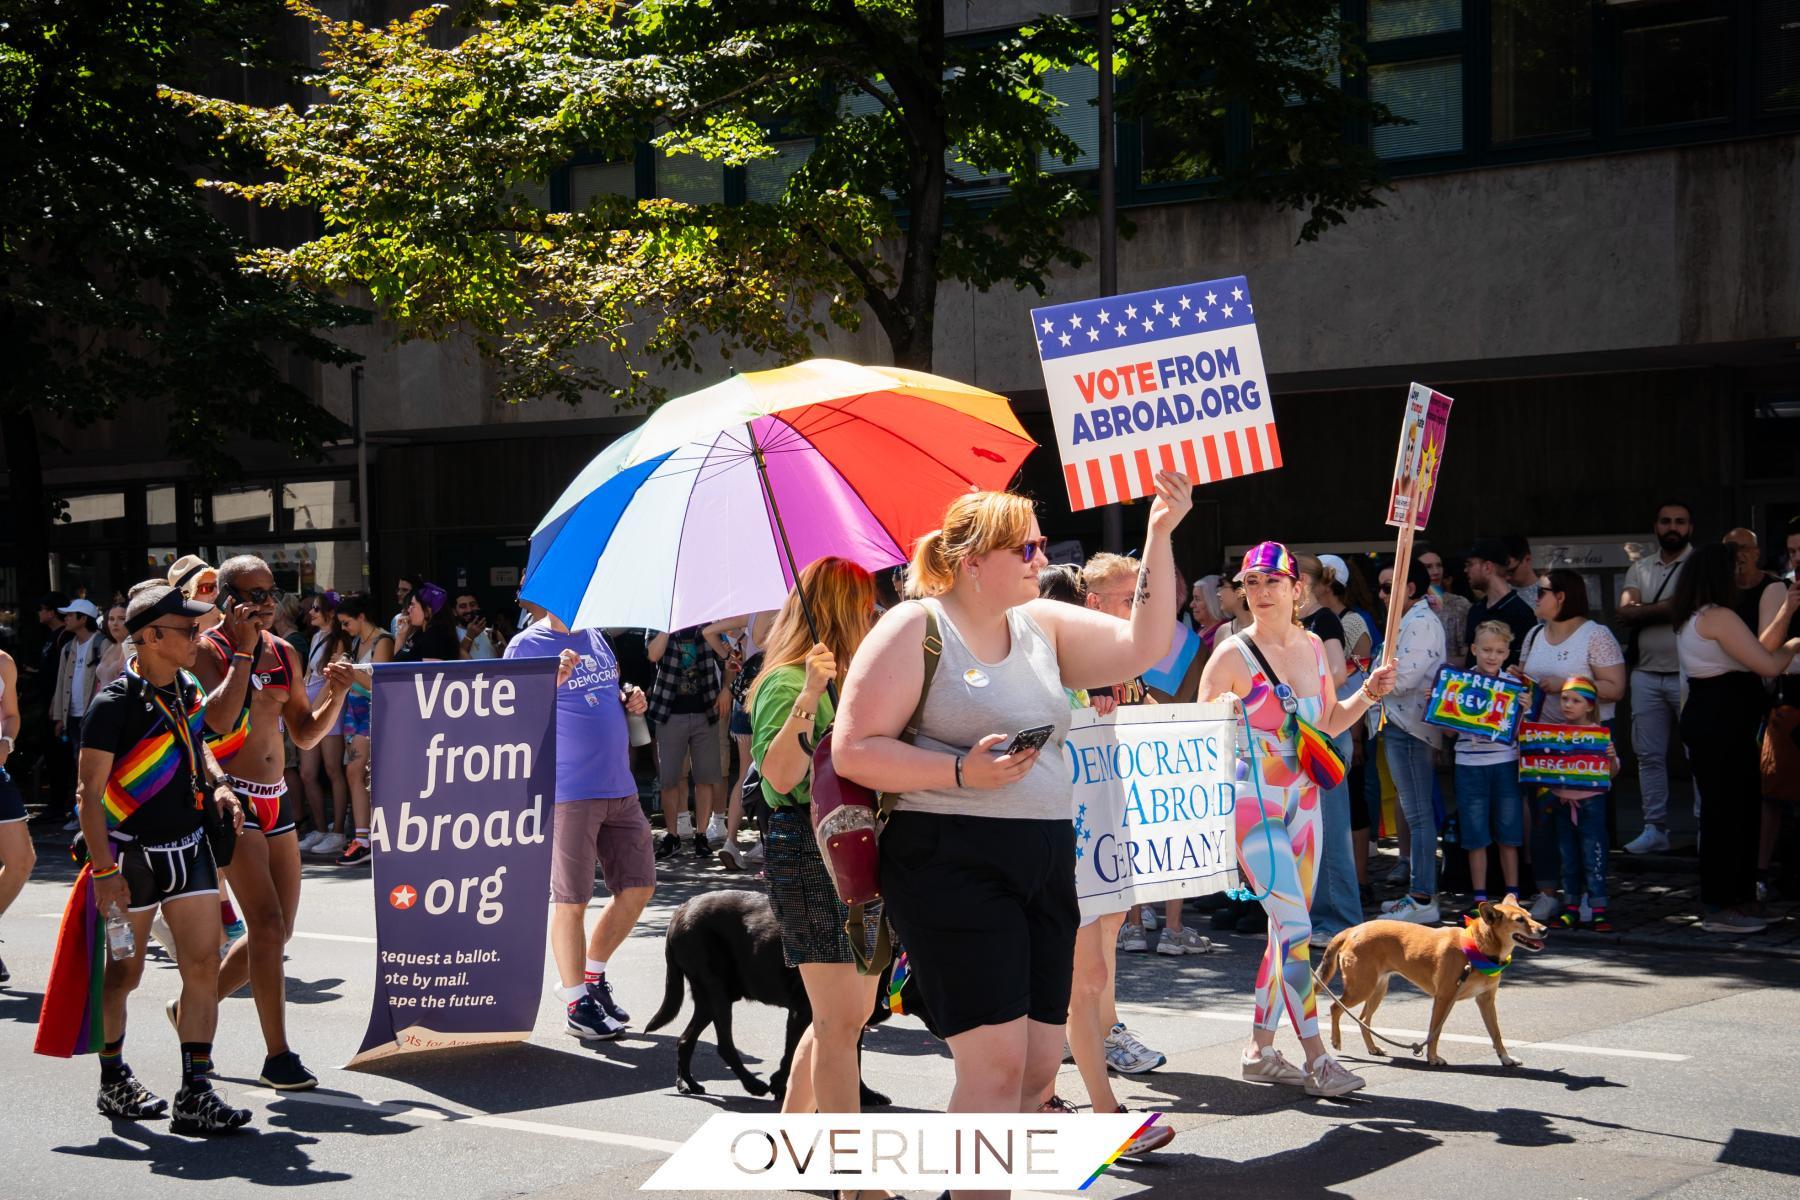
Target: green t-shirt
(776, 692)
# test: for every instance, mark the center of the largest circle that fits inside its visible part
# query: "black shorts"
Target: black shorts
(986, 909)
(12, 804)
(167, 871)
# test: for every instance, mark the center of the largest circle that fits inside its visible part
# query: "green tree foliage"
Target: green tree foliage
(426, 154)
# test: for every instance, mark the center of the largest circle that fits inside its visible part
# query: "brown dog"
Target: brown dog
(1446, 964)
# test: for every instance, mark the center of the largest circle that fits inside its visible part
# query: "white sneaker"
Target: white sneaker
(753, 857)
(1544, 907)
(1408, 909)
(715, 829)
(684, 826)
(730, 857)
(1329, 1077)
(1652, 841)
(1183, 941)
(1269, 1067)
(1402, 873)
(1128, 1056)
(1147, 917)
(311, 840)
(1732, 921)
(1131, 937)
(330, 845)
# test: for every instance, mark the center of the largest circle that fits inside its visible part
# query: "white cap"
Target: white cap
(1336, 568)
(84, 607)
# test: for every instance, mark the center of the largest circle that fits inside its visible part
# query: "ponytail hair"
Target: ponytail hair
(974, 524)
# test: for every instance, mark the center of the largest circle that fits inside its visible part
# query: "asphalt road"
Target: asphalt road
(1646, 1073)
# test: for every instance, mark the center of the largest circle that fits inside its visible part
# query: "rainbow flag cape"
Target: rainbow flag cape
(1571, 756)
(70, 1023)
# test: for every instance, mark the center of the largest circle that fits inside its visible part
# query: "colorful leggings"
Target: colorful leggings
(1290, 815)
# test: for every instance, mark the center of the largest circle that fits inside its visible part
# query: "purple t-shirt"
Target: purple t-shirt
(593, 746)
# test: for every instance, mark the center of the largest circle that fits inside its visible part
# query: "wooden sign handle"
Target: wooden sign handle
(1403, 546)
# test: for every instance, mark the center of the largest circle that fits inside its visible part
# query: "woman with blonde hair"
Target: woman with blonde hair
(978, 860)
(811, 644)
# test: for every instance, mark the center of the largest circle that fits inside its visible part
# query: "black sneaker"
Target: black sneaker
(666, 846)
(591, 1023)
(5, 975)
(202, 1110)
(702, 848)
(285, 1073)
(601, 993)
(131, 1100)
(357, 851)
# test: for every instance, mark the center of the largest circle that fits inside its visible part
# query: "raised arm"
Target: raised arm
(1093, 649)
(227, 684)
(657, 647)
(715, 634)
(1774, 630)
(308, 726)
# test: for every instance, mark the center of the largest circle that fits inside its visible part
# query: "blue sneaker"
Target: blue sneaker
(591, 1023)
(601, 993)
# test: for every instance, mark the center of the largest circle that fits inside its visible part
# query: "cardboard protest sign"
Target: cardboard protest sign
(464, 774)
(1571, 756)
(1155, 798)
(1170, 379)
(1485, 706)
(1421, 455)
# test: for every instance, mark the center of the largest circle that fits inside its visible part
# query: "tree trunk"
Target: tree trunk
(30, 513)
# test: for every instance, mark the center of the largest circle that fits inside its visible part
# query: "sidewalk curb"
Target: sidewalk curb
(1645, 941)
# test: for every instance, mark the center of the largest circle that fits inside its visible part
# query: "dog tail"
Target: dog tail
(1328, 962)
(671, 1004)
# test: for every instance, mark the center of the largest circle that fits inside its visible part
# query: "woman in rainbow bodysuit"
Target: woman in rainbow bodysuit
(1277, 672)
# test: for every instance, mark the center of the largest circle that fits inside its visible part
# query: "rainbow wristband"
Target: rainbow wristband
(243, 654)
(108, 873)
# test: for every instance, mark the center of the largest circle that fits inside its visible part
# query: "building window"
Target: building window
(689, 179)
(1542, 81)
(319, 504)
(1778, 55)
(765, 179)
(1428, 93)
(1676, 74)
(159, 514)
(1391, 19)
(1079, 116)
(241, 512)
(1175, 149)
(590, 180)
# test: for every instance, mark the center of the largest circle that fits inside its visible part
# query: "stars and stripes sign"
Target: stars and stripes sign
(1166, 379)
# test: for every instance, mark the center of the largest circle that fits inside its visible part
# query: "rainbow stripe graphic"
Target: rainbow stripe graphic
(225, 746)
(1485, 706)
(70, 1021)
(1572, 756)
(152, 763)
(1119, 1153)
(1318, 756)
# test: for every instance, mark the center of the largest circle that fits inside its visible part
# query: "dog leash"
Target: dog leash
(1417, 1048)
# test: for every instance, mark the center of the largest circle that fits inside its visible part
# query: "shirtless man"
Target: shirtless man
(254, 684)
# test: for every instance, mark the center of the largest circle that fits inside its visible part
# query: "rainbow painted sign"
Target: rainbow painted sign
(1484, 706)
(1571, 756)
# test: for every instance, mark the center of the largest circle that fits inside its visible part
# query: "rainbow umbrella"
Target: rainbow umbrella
(711, 507)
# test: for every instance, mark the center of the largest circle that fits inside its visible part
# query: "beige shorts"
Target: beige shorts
(614, 833)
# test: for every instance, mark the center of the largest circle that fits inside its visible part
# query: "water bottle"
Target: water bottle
(120, 944)
(639, 727)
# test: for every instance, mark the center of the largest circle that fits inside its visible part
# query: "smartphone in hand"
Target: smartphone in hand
(1029, 739)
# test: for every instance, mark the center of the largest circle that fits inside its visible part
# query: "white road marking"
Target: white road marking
(1242, 1016)
(439, 1112)
(334, 937)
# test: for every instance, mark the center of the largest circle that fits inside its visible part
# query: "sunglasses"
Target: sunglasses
(1033, 548)
(207, 588)
(258, 595)
(190, 632)
(1385, 588)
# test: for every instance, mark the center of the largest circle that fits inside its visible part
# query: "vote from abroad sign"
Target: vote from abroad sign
(1169, 379)
(1155, 803)
(464, 785)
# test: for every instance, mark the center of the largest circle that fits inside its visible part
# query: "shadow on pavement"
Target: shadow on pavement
(266, 1159)
(22, 1007)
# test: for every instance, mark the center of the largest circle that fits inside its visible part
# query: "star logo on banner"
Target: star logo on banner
(1149, 324)
(1237, 293)
(1185, 303)
(1105, 317)
(1226, 309)
(1200, 316)
(1075, 321)
(1157, 308)
(1047, 327)
(1063, 338)
(1212, 297)
(1093, 335)
(1119, 329)
(403, 897)
(1174, 320)
(1131, 312)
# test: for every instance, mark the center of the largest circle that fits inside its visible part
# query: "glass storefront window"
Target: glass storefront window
(241, 511)
(301, 568)
(97, 517)
(159, 514)
(320, 504)
(1542, 81)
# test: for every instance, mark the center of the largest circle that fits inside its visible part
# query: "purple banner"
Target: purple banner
(464, 783)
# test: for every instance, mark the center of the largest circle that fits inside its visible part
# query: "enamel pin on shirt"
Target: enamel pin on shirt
(975, 678)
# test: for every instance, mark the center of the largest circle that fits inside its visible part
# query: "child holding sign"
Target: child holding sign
(1488, 804)
(1580, 815)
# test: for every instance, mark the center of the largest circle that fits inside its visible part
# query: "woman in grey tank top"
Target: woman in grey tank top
(978, 861)
(16, 854)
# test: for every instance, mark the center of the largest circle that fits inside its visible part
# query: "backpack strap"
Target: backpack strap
(874, 959)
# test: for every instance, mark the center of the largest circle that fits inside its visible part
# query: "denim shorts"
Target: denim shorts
(1489, 806)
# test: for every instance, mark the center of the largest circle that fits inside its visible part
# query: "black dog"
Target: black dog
(728, 948)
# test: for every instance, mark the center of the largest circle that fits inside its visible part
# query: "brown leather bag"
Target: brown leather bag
(847, 821)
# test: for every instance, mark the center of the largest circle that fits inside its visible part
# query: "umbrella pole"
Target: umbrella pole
(787, 550)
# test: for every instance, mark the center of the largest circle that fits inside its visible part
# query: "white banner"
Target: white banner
(919, 1153)
(1155, 794)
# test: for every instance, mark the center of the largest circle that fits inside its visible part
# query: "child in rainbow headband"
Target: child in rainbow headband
(1581, 821)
